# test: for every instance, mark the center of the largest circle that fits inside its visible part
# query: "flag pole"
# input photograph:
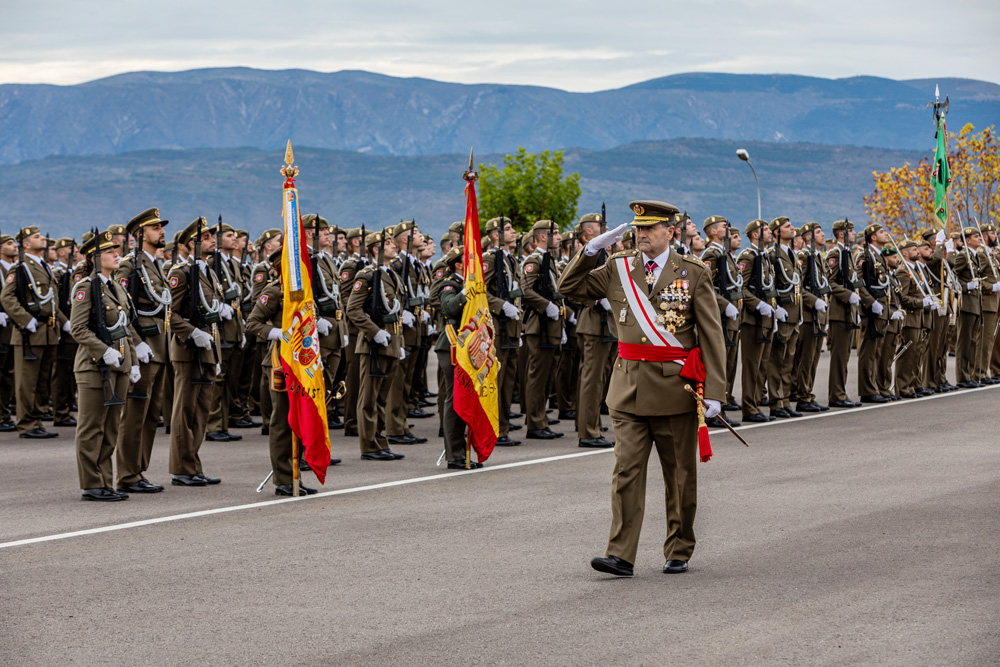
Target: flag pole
(295, 464)
(468, 450)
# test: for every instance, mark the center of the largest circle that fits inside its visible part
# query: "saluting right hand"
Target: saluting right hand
(605, 240)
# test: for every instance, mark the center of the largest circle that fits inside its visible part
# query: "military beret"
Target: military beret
(777, 222)
(103, 241)
(629, 235)
(373, 238)
(222, 228)
(841, 225)
(315, 221)
(888, 251)
(118, 230)
(494, 223)
(989, 227)
(402, 227)
(177, 236)
(922, 243)
(568, 237)
(591, 217)
(456, 227)
(928, 232)
(354, 232)
(267, 235)
(907, 243)
(6, 237)
(64, 242)
(808, 227)
(25, 232)
(711, 220)
(754, 225)
(192, 230)
(799, 231)
(872, 228)
(969, 231)
(446, 238)
(679, 218)
(648, 213)
(150, 216)
(241, 233)
(544, 226)
(452, 256)
(578, 229)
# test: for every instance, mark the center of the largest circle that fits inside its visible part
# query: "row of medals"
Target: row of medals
(674, 302)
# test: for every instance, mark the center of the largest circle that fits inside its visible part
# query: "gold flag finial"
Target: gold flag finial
(470, 175)
(289, 158)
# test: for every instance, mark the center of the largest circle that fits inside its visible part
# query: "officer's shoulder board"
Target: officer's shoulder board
(624, 253)
(694, 260)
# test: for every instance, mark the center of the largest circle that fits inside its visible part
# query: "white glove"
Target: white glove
(134, 375)
(605, 240)
(996, 287)
(854, 299)
(347, 340)
(929, 300)
(32, 326)
(897, 315)
(408, 319)
(950, 245)
(552, 311)
(112, 357)
(243, 340)
(510, 310)
(144, 352)
(942, 310)
(782, 314)
(201, 339)
(323, 327)
(820, 306)
(520, 342)
(274, 334)
(712, 407)
(226, 311)
(877, 308)
(402, 353)
(765, 309)
(940, 236)
(972, 285)
(563, 339)
(605, 304)
(572, 317)
(3, 319)
(381, 337)
(425, 316)
(731, 311)
(66, 326)
(218, 369)
(431, 330)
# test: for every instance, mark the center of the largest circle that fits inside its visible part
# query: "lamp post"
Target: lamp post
(743, 155)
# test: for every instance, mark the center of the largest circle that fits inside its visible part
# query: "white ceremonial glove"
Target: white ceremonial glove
(765, 309)
(134, 375)
(112, 357)
(942, 310)
(65, 326)
(323, 327)
(32, 326)
(243, 340)
(563, 339)
(940, 236)
(854, 299)
(144, 352)
(950, 245)
(712, 407)
(877, 308)
(274, 334)
(897, 315)
(3, 319)
(996, 287)
(381, 337)
(552, 311)
(402, 353)
(731, 311)
(510, 310)
(781, 314)
(425, 316)
(408, 319)
(520, 342)
(431, 330)
(820, 306)
(605, 240)
(462, 292)
(572, 317)
(605, 304)
(972, 285)
(218, 369)
(347, 340)
(929, 300)
(226, 311)
(201, 339)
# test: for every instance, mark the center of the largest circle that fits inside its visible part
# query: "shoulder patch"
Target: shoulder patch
(529, 267)
(832, 261)
(10, 277)
(259, 278)
(173, 281)
(439, 273)
(344, 275)
(123, 282)
(448, 288)
(742, 265)
(263, 299)
(80, 295)
(357, 285)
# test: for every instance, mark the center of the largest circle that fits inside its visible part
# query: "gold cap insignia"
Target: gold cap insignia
(639, 210)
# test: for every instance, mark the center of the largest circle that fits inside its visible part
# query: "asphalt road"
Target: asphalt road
(866, 537)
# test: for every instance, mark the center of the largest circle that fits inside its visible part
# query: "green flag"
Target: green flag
(941, 176)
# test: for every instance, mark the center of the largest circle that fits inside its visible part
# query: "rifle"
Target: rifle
(502, 288)
(376, 310)
(23, 279)
(407, 266)
(98, 323)
(602, 259)
(543, 285)
(845, 278)
(217, 266)
(362, 248)
(196, 316)
(682, 249)
(758, 287)
(725, 280)
(868, 275)
(816, 284)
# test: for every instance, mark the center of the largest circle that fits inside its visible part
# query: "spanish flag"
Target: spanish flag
(476, 366)
(300, 358)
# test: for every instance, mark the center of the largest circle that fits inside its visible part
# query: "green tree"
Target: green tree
(530, 187)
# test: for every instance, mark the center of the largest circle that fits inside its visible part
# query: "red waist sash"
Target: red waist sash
(693, 368)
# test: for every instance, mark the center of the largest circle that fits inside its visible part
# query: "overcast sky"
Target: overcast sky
(579, 45)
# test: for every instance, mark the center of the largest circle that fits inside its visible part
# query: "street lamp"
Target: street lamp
(743, 155)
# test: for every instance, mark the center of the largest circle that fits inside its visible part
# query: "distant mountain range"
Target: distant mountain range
(67, 195)
(381, 115)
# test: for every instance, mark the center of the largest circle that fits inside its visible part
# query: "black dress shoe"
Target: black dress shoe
(731, 407)
(460, 465)
(514, 427)
(335, 424)
(714, 422)
(543, 434)
(507, 441)
(218, 436)
(244, 423)
(430, 394)
(286, 490)
(793, 413)
(966, 385)
(771, 419)
(780, 413)
(675, 567)
(8, 426)
(765, 401)
(422, 403)
(823, 408)
(417, 413)
(206, 479)
(334, 460)
(612, 565)
(758, 418)
(188, 480)
(874, 398)
(842, 404)
(567, 414)
(39, 433)
(910, 395)
(514, 415)
(103, 495)
(553, 422)
(350, 432)
(381, 455)
(47, 417)
(597, 443)
(812, 406)
(65, 422)
(142, 486)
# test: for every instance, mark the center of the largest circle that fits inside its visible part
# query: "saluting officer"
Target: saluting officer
(667, 309)
(141, 275)
(105, 364)
(29, 298)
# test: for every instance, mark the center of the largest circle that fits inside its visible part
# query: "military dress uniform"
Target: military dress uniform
(757, 320)
(788, 285)
(728, 284)
(990, 276)
(876, 277)
(647, 400)
(63, 378)
(29, 297)
(844, 315)
(412, 305)
(352, 382)
(916, 326)
(7, 379)
(938, 275)
(967, 342)
(815, 311)
(259, 279)
(142, 277)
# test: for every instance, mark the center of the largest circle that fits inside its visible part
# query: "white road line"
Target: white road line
(430, 478)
